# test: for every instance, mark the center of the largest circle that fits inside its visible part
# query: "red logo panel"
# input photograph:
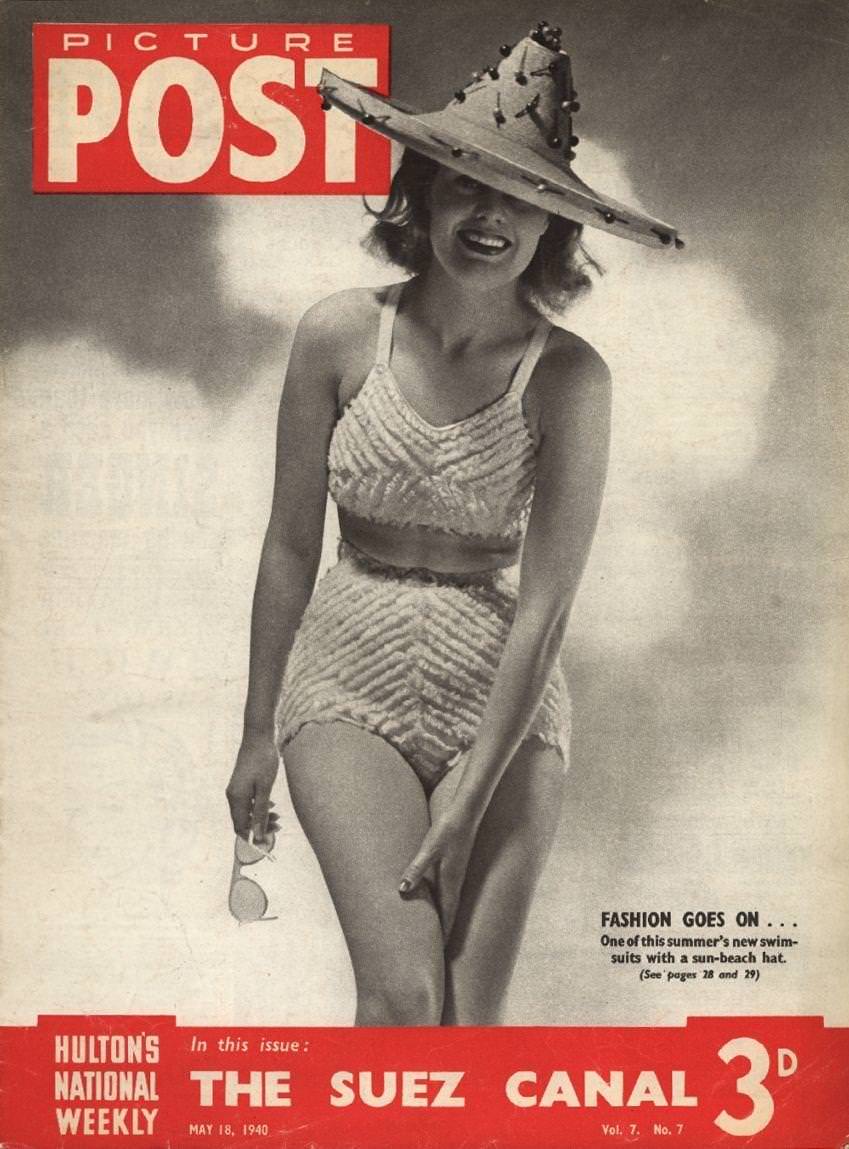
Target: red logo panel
(220, 109)
(770, 1082)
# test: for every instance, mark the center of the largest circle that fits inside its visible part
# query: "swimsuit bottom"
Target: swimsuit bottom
(408, 654)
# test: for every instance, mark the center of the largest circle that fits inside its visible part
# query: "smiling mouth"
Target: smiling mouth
(483, 243)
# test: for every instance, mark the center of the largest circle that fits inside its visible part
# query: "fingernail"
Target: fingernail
(405, 886)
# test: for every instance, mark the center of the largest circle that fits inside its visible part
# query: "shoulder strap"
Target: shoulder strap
(532, 353)
(387, 322)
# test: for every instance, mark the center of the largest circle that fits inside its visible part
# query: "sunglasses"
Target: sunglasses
(248, 901)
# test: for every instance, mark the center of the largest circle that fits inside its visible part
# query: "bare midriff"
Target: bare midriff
(427, 547)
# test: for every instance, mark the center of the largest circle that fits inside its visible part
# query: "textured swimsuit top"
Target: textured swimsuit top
(474, 478)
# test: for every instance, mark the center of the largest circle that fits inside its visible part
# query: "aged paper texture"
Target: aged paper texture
(146, 339)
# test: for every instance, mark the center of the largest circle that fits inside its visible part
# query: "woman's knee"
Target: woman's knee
(412, 996)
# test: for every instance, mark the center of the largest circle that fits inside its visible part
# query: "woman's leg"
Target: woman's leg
(511, 848)
(365, 815)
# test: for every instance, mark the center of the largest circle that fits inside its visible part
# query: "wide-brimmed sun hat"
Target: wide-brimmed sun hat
(511, 128)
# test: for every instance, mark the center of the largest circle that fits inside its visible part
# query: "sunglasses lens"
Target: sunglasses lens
(247, 852)
(248, 902)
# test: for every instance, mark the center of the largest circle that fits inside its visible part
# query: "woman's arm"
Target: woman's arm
(571, 468)
(574, 398)
(290, 553)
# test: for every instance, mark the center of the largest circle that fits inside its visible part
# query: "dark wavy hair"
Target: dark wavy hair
(557, 273)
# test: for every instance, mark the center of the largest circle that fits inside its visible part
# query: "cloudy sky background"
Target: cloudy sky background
(146, 341)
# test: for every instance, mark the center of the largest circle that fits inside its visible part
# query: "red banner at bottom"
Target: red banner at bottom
(780, 1082)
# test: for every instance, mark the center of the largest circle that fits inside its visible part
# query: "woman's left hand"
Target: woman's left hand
(445, 850)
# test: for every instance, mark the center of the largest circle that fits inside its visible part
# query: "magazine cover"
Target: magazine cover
(531, 580)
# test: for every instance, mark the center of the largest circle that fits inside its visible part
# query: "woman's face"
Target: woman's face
(479, 234)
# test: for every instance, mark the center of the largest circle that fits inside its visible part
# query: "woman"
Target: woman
(423, 716)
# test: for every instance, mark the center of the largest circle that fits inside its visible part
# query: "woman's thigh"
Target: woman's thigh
(365, 815)
(511, 848)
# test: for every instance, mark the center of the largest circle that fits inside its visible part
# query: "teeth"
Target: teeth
(494, 241)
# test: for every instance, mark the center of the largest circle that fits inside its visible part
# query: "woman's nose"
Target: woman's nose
(490, 203)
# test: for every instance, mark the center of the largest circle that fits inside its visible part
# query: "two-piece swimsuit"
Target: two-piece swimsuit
(410, 653)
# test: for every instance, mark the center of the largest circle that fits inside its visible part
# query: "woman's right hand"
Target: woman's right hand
(249, 788)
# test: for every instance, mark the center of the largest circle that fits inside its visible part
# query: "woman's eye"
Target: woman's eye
(520, 205)
(466, 183)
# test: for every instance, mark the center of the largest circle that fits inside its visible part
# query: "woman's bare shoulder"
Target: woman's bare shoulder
(569, 358)
(570, 373)
(342, 317)
(334, 342)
